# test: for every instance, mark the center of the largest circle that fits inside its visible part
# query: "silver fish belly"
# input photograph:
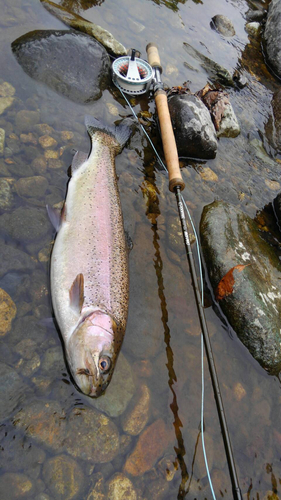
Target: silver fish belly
(89, 265)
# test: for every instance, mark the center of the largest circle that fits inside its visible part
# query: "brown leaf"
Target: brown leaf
(226, 284)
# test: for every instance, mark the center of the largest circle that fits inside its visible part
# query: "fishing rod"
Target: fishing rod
(176, 185)
(134, 76)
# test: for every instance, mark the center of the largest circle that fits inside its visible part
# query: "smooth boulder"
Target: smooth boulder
(194, 131)
(70, 63)
(272, 37)
(252, 301)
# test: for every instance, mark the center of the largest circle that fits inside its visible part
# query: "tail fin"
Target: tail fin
(121, 133)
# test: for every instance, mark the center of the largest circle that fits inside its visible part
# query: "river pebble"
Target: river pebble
(25, 224)
(223, 25)
(2, 140)
(6, 194)
(19, 454)
(97, 492)
(43, 421)
(207, 174)
(47, 142)
(8, 311)
(120, 390)
(91, 436)
(7, 92)
(136, 418)
(12, 389)
(150, 447)
(32, 187)
(14, 486)
(39, 165)
(28, 139)
(25, 120)
(121, 488)
(64, 478)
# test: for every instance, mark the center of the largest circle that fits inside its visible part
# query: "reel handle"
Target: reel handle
(167, 133)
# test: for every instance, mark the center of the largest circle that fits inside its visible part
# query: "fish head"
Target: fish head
(91, 353)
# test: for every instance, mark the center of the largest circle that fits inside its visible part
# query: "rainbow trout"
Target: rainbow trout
(89, 268)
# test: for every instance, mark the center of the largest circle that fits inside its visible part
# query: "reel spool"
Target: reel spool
(131, 74)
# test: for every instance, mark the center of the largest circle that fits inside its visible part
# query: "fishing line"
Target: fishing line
(201, 282)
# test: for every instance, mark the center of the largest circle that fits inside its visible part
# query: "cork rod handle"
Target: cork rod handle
(167, 133)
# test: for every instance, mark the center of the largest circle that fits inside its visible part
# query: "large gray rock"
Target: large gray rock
(253, 307)
(73, 64)
(194, 131)
(25, 224)
(272, 36)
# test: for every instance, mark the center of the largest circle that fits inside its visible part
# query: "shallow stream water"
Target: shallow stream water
(161, 351)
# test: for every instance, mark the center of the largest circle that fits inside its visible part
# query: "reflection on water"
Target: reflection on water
(49, 430)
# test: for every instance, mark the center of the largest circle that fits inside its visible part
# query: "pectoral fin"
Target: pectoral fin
(76, 293)
(78, 159)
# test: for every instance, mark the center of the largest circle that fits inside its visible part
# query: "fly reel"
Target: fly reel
(131, 74)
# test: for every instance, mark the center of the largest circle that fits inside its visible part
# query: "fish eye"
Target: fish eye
(104, 364)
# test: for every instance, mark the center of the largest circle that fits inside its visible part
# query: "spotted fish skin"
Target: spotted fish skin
(89, 264)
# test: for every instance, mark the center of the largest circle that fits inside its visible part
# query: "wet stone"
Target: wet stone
(44, 422)
(194, 131)
(121, 488)
(136, 418)
(6, 195)
(8, 311)
(39, 165)
(64, 478)
(19, 454)
(272, 37)
(91, 436)
(53, 362)
(223, 25)
(13, 259)
(2, 140)
(44, 129)
(32, 187)
(207, 174)
(151, 445)
(47, 142)
(71, 63)
(25, 120)
(28, 139)
(97, 492)
(51, 154)
(253, 306)
(25, 224)
(229, 126)
(14, 486)
(12, 390)
(120, 390)
(66, 136)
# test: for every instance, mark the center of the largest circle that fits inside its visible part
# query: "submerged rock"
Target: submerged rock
(64, 478)
(272, 36)
(6, 194)
(6, 96)
(73, 64)
(13, 259)
(43, 421)
(223, 25)
(121, 488)
(14, 486)
(25, 224)
(91, 436)
(12, 389)
(252, 304)
(194, 131)
(8, 311)
(136, 418)
(273, 126)
(79, 23)
(151, 445)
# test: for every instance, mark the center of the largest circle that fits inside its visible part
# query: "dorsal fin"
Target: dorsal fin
(76, 293)
(78, 159)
